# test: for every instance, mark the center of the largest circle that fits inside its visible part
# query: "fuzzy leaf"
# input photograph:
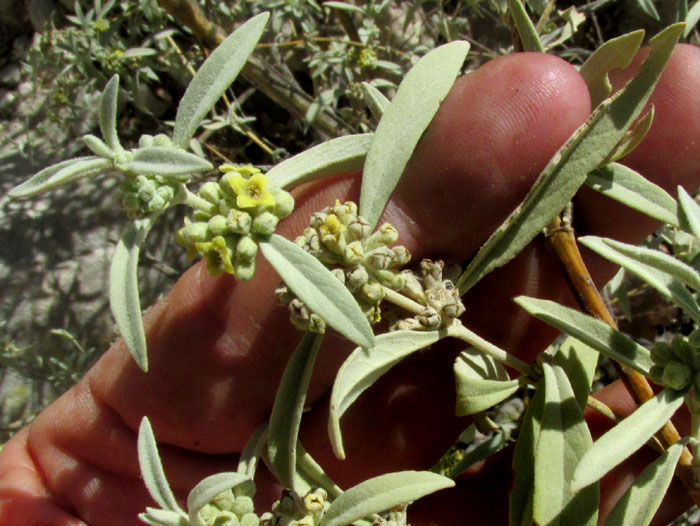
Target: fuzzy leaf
(108, 114)
(156, 517)
(688, 213)
(159, 160)
(663, 272)
(691, 19)
(626, 437)
(616, 53)
(334, 157)
(640, 502)
(403, 123)
(364, 366)
(563, 440)
(481, 382)
(375, 100)
(312, 472)
(152, 470)
(631, 139)
(204, 492)
(634, 190)
(526, 29)
(124, 290)
(248, 462)
(58, 174)
(480, 453)
(319, 289)
(566, 171)
(382, 493)
(214, 76)
(286, 411)
(97, 146)
(579, 361)
(590, 331)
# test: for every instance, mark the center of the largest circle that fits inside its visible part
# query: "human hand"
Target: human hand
(217, 347)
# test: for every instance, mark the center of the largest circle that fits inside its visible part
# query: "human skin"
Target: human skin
(217, 347)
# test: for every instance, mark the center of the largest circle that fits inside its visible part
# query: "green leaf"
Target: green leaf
(563, 440)
(404, 121)
(631, 139)
(166, 161)
(661, 271)
(688, 213)
(634, 190)
(526, 30)
(98, 147)
(375, 100)
(648, 7)
(312, 472)
(204, 492)
(214, 76)
(286, 411)
(364, 366)
(337, 156)
(579, 361)
(152, 470)
(156, 517)
(590, 331)
(691, 20)
(318, 288)
(626, 437)
(382, 493)
(640, 502)
(60, 173)
(108, 114)
(616, 53)
(566, 171)
(248, 462)
(480, 453)
(481, 382)
(124, 290)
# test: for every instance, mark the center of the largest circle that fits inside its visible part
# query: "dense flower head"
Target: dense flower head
(677, 364)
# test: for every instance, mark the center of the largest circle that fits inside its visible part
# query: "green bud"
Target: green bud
(156, 204)
(162, 140)
(392, 279)
(121, 160)
(697, 383)
(373, 292)
(211, 192)
(284, 202)
(243, 505)
(250, 519)
(245, 270)
(208, 512)
(677, 375)
(682, 349)
(238, 221)
(265, 224)
(358, 229)
(217, 226)
(226, 518)
(193, 232)
(146, 141)
(694, 339)
(386, 235)
(380, 258)
(246, 249)
(225, 501)
(402, 256)
(353, 253)
(356, 278)
(201, 215)
(429, 318)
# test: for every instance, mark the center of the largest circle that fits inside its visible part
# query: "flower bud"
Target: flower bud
(243, 505)
(380, 258)
(386, 235)
(682, 349)
(193, 232)
(225, 518)
(429, 318)
(245, 270)
(211, 192)
(401, 256)
(238, 221)
(356, 278)
(353, 253)
(265, 224)
(250, 519)
(656, 373)
(409, 324)
(358, 229)
(146, 141)
(162, 140)
(216, 226)
(694, 339)
(339, 274)
(412, 287)
(373, 292)
(224, 501)
(284, 202)
(677, 375)
(246, 249)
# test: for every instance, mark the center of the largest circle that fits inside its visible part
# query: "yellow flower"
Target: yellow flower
(251, 192)
(217, 254)
(332, 227)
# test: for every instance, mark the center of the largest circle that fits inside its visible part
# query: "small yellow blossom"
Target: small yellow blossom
(332, 227)
(251, 192)
(217, 254)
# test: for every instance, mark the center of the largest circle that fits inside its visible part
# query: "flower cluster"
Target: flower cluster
(231, 216)
(677, 365)
(230, 508)
(362, 260)
(294, 510)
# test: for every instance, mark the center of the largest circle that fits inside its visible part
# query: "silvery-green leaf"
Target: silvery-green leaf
(564, 439)
(334, 157)
(60, 173)
(161, 160)
(286, 411)
(579, 361)
(318, 288)
(204, 492)
(688, 213)
(631, 139)
(566, 171)
(248, 462)
(152, 469)
(590, 331)
(312, 472)
(526, 30)
(481, 382)
(344, 6)
(626, 437)
(661, 271)
(478, 454)
(124, 290)
(98, 147)
(521, 495)
(640, 502)
(692, 19)
(108, 114)
(156, 517)
(632, 189)
(136, 52)
(382, 493)
(616, 53)
(375, 100)
(404, 121)
(648, 7)
(364, 366)
(214, 76)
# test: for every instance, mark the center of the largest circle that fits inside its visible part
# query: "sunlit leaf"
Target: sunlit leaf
(312, 472)
(250, 456)
(156, 517)
(60, 173)
(108, 114)
(691, 20)
(287, 408)
(526, 29)
(689, 213)
(124, 290)
(214, 76)
(382, 493)
(626, 437)
(158, 160)
(364, 366)
(579, 361)
(590, 331)
(631, 139)
(337, 156)
(318, 288)
(404, 121)
(204, 492)
(648, 7)
(375, 100)
(632, 189)
(97, 146)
